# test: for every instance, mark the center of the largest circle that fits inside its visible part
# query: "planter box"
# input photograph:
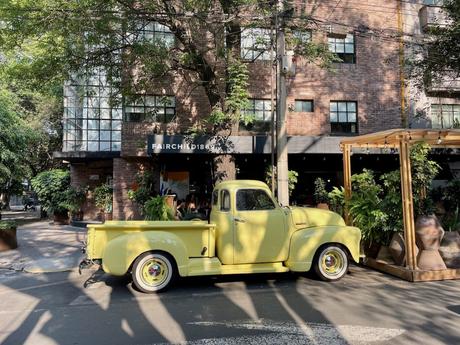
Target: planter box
(8, 239)
(61, 218)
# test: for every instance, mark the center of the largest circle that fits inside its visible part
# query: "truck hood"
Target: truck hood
(305, 217)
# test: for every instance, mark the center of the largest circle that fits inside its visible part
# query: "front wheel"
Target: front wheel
(331, 263)
(153, 272)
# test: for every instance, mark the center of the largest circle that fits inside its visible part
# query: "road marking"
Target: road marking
(293, 333)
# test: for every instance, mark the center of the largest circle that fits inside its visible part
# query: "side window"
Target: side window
(214, 198)
(225, 201)
(253, 199)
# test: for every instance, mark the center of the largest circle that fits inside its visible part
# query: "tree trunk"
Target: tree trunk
(224, 168)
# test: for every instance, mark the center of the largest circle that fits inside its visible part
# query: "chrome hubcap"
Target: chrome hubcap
(155, 270)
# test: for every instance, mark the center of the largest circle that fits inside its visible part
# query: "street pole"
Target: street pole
(272, 105)
(281, 151)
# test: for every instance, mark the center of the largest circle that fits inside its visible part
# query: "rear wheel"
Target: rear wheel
(153, 272)
(331, 262)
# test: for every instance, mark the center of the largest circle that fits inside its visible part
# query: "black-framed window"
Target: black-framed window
(255, 44)
(153, 108)
(253, 200)
(343, 116)
(215, 197)
(151, 31)
(260, 112)
(225, 200)
(92, 118)
(305, 106)
(445, 115)
(344, 47)
(433, 2)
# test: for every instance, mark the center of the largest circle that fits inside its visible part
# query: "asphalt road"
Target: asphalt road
(365, 307)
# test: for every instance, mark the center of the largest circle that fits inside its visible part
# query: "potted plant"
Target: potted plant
(157, 208)
(292, 178)
(74, 199)
(103, 198)
(320, 194)
(8, 239)
(51, 187)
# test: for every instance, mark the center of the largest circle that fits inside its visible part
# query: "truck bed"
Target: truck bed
(197, 234)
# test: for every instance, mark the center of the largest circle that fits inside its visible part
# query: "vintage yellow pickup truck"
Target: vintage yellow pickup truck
(248, 232)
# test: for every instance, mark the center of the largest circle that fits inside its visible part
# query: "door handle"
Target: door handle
(239, 220)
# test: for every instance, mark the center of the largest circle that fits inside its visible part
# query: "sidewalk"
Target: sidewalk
(44, 247)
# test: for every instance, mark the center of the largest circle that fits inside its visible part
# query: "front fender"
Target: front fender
(305, 243)
(121, 252)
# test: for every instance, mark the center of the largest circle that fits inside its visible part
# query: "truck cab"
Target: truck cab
(248, 232)
(251, 221)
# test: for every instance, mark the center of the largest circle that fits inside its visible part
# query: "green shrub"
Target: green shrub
(157, 209)
(336, 199)
(73, 199)
(51, 187)
(292, 179)
(320, 193)
(144, 188)
(7, 225)
(103, 197)
(364, 207)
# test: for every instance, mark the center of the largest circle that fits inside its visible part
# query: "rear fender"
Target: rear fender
(121, 252)
(305, 243)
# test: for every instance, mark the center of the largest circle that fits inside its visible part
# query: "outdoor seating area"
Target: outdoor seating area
(418, 257)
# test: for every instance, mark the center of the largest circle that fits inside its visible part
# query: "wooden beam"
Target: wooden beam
(347, 179)
(407, 203)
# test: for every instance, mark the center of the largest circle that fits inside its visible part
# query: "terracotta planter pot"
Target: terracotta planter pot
(61, 218)
(8, 239)
(428, 235)
(108, 216)
(384, 255)
(323, 206)
(397, 248)
(450, 249)
(78, 216)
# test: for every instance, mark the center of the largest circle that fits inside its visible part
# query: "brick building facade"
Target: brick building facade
(358, 96)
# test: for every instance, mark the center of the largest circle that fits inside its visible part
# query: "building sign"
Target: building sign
(243, 144)
(207, 144)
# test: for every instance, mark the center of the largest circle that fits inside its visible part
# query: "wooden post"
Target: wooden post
(407, 203)
(347, 179)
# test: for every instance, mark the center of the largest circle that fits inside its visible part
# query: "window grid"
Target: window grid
(445, 115)
(155, 108)
(150, 31)
(261, 112)
(304, 106)
(343, 47)
(92, 114)
(343, 117)
(255, 44)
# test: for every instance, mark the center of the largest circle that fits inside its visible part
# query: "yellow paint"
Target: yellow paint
(305, 217)
(212, 266)
(305, 243)
(276, 240)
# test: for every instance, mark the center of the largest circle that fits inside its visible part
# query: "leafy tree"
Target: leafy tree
(51, 187)
(206, 50)
(442, 49)
(15, 137)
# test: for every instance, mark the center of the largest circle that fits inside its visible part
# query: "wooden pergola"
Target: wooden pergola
(401, 140)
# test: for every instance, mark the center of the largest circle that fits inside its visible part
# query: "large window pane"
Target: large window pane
(150, 108)
(343, 117)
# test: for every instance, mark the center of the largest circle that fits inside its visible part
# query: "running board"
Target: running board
(212, 266)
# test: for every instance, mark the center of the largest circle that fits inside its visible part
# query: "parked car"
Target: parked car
(248, 232)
